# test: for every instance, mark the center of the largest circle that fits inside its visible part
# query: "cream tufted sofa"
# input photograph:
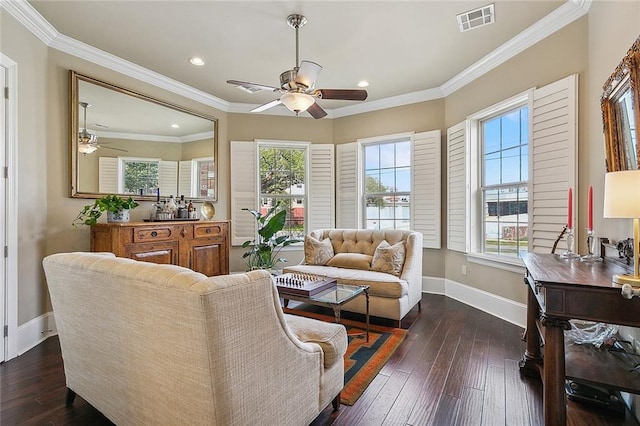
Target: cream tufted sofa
(152, 344)
(391, 296)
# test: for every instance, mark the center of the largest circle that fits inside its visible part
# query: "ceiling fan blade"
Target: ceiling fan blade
(266, 106)
(108, 147)
(343, 94)
(308, 73)
(252, 87)
(316, 111)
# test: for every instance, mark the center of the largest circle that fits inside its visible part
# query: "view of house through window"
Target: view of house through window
(505, 173)
(206, 178)
(140, 177)
(387, 185)
(282, 180)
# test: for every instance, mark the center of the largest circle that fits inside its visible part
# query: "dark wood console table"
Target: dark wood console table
(560, 290)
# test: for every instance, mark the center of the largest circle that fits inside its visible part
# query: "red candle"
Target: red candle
(570, 209)
(590, 209)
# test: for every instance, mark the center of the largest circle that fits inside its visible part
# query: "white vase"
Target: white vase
(119, 216)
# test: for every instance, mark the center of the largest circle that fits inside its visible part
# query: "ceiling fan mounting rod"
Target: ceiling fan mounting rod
(296, 21)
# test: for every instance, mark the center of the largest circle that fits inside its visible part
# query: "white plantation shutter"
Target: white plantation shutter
(553, 170)
(184, 178)
(320, 192)
(168, 177)
(457, 188)
(348, 200)
(244, 186)
(108, 175)
(425, 190)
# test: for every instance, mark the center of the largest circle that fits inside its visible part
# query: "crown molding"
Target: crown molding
(559, 18)
(41, 28)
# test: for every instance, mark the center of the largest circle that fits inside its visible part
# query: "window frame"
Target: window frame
(304, 146)
(475, 165)
(385, 140)
(121, 171)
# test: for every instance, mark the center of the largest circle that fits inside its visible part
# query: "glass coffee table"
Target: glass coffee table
(333, 298)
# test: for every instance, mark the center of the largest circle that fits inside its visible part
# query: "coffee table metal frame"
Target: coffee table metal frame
(332, 298)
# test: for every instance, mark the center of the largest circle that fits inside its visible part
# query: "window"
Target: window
(283, 180)
(504, 187)
(387, 185)
(206, 178)
(139, 177)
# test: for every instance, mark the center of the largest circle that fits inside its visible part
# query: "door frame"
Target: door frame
(10, 280)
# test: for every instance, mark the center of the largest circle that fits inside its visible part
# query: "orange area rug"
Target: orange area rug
(363, 359)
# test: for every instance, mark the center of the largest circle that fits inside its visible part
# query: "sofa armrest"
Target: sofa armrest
(331, 337)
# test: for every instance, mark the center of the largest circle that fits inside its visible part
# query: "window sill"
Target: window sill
(512, 265)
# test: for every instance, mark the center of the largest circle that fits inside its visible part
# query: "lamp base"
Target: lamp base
(626, 279)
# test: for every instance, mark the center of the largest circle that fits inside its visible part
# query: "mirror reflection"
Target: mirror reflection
(128, 143)
(621, 112)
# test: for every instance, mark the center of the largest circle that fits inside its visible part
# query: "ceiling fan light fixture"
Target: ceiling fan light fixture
(85, 148)
(297, 102)
(83, 135)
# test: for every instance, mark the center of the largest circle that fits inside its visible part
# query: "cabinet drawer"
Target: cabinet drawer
(157, 233)
(209, 230)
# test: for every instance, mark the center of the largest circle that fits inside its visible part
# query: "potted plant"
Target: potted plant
(117, 209)
(263, 250)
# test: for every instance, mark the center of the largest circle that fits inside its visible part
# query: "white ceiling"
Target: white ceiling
(400, 47)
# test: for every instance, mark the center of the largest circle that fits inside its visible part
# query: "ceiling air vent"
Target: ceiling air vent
(476, 18)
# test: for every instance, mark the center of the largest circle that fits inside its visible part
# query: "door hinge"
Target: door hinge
(6, 172)
(6, 330)
(6, 93)
(6, 251)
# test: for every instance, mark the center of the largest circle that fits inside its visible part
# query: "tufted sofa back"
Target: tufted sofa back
(364, 241)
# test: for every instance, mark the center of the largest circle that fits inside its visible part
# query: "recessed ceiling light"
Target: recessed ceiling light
(363, 83)
(197, 61)
(175, 126)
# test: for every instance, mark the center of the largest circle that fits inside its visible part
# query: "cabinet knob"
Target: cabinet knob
(208, 231)
(154, 233)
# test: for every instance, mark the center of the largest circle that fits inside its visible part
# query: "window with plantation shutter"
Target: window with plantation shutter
(184, 178)
(509, 169)
(168, 177)
(321, 201)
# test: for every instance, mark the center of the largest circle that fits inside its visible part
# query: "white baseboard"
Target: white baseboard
(33, 332)
(501, 307)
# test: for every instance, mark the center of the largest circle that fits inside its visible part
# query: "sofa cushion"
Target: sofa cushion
(351, 261)
(317, 252)
(331, 337)
(381, 284)
(389, 258)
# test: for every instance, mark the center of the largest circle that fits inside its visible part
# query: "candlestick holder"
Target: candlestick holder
(569, 253)
(591, 246)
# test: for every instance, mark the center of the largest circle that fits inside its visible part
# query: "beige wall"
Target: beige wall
(591, 47)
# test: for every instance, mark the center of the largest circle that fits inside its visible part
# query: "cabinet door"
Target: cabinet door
(163, 252)
(209, 257)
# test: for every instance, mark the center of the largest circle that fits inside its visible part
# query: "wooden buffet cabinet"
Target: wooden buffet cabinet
(199, 245)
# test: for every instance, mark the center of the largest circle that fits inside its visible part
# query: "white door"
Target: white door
(3, 217)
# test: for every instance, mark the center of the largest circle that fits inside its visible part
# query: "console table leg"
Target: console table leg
(554, 399)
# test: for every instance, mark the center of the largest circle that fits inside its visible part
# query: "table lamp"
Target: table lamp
(622, 200)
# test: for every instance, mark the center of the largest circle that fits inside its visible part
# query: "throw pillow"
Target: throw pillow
(351, 261)
(388, 258)
(317, 252)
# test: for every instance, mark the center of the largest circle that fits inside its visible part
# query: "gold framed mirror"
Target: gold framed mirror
(621, 113)
(124, 142)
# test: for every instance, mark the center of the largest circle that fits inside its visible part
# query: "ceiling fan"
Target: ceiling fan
(298, 84)
(88, 142)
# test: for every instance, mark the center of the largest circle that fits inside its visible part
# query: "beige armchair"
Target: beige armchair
(160, 344)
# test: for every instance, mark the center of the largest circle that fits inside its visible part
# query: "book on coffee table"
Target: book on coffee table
(303, 284)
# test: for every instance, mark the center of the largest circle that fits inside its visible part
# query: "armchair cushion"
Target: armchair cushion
(332, 338)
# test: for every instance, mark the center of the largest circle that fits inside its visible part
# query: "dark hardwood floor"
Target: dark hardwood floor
(457, 366)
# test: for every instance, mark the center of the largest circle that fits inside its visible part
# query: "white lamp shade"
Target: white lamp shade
(622, 194)
(86, 148)
(297, 102)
